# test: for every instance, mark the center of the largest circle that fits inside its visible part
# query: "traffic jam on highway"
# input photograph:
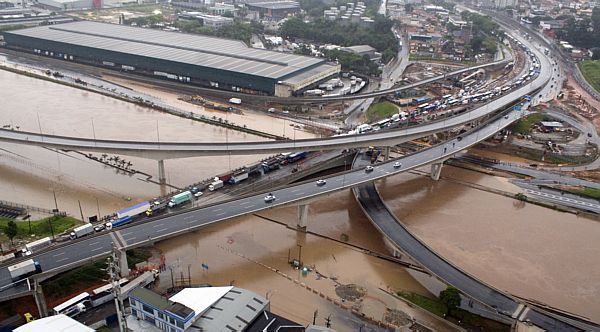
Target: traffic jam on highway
(469, 94)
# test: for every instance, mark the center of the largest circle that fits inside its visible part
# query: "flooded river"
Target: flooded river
(31, 174)
(527, 250)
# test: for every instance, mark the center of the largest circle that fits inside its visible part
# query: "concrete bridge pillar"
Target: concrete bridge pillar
(436, 170)
(386, 153)
(302, 216)
(40, 299)
(162, 178)
(123, 266)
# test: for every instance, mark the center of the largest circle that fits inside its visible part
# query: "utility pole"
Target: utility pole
(328, 321)
(114, 273)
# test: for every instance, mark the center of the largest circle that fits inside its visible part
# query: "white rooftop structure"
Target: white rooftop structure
(200, 299)
(58, 323)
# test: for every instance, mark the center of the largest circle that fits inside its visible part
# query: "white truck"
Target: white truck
(216, 184)
(82, 231)
(133, 211)
(235, 101)
(36, 245)
(238, 177)
(24, 269)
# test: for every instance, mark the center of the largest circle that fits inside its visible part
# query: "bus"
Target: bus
(446, 96)
(73, 306)
(422, 106)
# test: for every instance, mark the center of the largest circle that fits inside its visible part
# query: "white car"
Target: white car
(369, 169)
(270, 198)
(397, 164)
(321, 182)
(198, 194)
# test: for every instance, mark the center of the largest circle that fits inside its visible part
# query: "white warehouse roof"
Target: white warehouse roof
(58, 323)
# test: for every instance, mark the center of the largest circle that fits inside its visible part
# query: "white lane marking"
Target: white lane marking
(220, 214)
(293, 191)
(60, 260)
(94, 243)
(300, 193)
(96, 249)
(161, 230)
(215, 210)
(251, 205)
(158, 225)
(60, 254)
(188, 217)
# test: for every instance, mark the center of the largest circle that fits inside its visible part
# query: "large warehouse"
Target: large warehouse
(201, 60)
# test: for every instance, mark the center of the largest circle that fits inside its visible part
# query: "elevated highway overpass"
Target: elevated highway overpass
(86, 249)
(173, 150)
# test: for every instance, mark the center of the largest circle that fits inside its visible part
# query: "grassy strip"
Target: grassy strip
(431, 305)
(523, 126)
(138, 255)
(73, 281)
(381, 110)
(585, 192)
(39, 228)
(591, 72)
(459, 317)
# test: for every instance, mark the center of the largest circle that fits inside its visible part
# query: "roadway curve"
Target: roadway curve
(75, 253)
(172, 150)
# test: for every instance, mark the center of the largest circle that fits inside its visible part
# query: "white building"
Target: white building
(505, 3)
(61, 323)
(67, 4)
(198, 309)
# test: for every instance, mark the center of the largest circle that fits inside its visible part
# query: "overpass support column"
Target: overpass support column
(40, 299)
(162, 178)
(123, 267)
(436, 170)
(302, 216)
(386, 153)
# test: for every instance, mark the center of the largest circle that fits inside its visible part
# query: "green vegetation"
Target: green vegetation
(450, 297)
(72, 281)
(238, 30)
(586, 192)
(521, 197)
(321, 30)
(138, 255)
(485, 32)
(434, 306)
(12, 27)
(381, 110)
(523, 126)
(353, 62)
(457, 316)
(591, 71)
(11, 230)
(40, 228)
(582, 31)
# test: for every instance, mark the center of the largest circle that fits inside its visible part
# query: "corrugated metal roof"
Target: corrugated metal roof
(224, 54)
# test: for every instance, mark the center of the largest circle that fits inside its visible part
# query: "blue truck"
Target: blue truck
(294, 157)
(118, 222)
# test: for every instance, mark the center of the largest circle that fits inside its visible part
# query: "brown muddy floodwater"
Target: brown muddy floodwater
(30, 174)
(527, 250)
(233, 250)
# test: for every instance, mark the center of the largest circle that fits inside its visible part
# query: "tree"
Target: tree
(596, 53)
(11, 230)
(450, 297)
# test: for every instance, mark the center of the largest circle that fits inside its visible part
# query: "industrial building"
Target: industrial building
(275, 10)
(194, 59)
(204, 309)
